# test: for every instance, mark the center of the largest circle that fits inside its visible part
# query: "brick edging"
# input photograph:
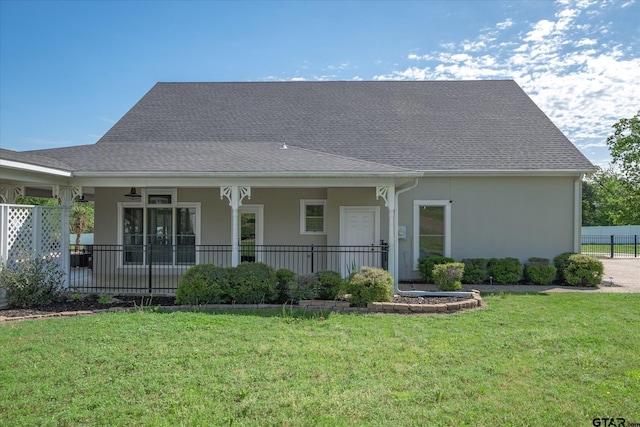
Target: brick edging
(474, 301)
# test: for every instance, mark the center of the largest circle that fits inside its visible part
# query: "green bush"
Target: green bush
(330, 284)
(539, 271)
(475, 271)
(505, 271)
(285, 281)
(35, 282)
(253, 283)
(304, 287)
(583, 270)
(370, 284)
(561, 262)
(204, 284)
(448, 276)
(426, 264)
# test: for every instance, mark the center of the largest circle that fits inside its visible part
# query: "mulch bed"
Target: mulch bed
(93, 302)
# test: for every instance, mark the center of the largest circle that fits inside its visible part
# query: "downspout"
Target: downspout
(395, 232)
(395, 255)
(577, 214)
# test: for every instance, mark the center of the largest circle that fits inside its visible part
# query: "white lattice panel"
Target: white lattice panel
(31, 230)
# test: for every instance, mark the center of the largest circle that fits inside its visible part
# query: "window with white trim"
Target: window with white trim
(431, 228)
(312, 216)
(158, 230)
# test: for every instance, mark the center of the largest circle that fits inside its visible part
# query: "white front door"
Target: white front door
(359, 230)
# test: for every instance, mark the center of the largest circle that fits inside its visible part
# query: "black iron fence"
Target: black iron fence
(612, 246)
(157, 269)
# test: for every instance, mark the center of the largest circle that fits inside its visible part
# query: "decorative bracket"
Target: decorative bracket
(61, 192)
(235, 197)
(382, 192)
(10, 193)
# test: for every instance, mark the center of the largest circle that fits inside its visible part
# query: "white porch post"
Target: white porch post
(65, 195)
(389, 195)
(235, 194)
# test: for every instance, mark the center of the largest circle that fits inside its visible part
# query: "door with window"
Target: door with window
(250, 232)
(159, 231)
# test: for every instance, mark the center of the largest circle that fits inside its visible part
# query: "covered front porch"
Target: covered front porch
(145, 242)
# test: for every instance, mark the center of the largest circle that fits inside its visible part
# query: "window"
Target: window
(312, 216)
(431, 228)
(159, 231)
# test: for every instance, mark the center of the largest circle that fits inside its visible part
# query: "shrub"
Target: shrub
(204, 284)
(505, 271)
(31, 283)
(285, 281)
(304, 287)
(583, 270)
(370, 284)
(427, 263)
(448, 276)
(475, 271)
(561, 262)
(253, 283)
(538, 271)
(330, 284)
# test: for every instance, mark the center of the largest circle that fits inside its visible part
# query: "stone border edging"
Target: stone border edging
(314, 305)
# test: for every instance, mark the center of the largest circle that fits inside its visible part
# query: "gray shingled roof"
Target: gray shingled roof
(331, 126)
(34, 159)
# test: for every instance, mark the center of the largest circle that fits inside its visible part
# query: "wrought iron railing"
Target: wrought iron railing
(157, 269)
(612, 246)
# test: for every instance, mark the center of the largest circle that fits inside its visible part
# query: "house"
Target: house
(319, 175)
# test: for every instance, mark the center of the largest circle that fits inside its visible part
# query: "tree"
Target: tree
(80, 216)
(81, 219)
(608, 198)
(624, 146)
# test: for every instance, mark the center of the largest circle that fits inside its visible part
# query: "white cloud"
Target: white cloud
(571, 65)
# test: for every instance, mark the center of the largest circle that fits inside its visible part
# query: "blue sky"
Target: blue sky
(70, 69)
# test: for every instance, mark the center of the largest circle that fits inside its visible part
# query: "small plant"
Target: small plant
(475, 271)
(505, 271)
(448, 276)
(370, 284)
(330, 283)
(77, 297)
(426, 264)
(560, 263)
(583, 270)
(33, 282)
(539, 271)
(105, 299)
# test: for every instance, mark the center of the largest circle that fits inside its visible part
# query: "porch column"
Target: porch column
(389, 195)
(235, 194)
(66, 195)
(10, 193)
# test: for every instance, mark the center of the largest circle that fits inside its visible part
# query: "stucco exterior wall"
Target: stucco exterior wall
(281, 209)
(517, 217)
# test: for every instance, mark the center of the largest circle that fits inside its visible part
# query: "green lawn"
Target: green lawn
(605, 249)
(558, 359)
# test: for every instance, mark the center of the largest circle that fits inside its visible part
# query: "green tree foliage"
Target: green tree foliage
(81, 219)
(81, 215)
(624, 146)
(608, 198)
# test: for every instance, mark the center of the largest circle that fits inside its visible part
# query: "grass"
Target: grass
(605, 248)
(557, 359)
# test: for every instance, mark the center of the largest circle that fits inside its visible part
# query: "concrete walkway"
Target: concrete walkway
(620, 275)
